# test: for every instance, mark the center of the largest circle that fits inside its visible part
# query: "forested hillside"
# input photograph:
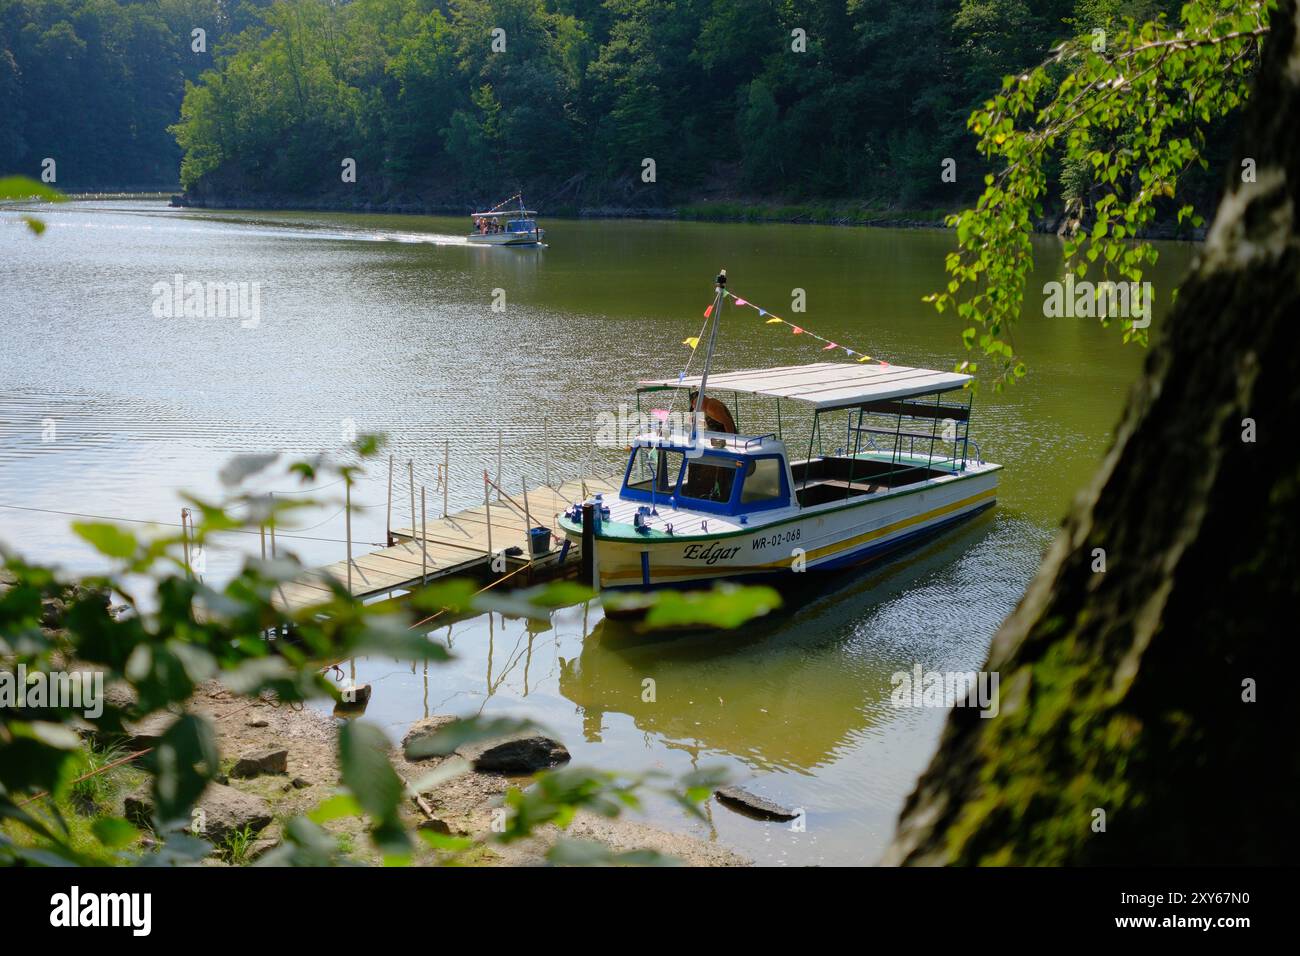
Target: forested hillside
(778, 100)
(94, 84)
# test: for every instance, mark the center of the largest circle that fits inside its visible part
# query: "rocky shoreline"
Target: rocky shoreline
(280, 761)
(286, 757)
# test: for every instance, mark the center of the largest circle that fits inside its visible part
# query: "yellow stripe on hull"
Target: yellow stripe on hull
(620, 562)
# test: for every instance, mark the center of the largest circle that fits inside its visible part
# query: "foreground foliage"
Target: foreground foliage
(176, 632)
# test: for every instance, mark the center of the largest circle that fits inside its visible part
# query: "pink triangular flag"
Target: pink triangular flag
(797, 330)
(741, 302)
(832, 345)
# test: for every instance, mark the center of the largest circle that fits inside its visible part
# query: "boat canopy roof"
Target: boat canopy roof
(516, 213)
(826, 385)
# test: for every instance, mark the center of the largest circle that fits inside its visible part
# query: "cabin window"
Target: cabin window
(648, 463)
(762, 481)
(709, 479)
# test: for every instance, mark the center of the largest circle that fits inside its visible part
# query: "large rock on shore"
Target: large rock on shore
(224, 810)
(258, 762)
(516, 753)
(425, 728)
(513, 753)
(147, 733)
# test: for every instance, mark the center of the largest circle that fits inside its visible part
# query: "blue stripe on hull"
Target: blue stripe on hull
(880, 549)
(863, 555)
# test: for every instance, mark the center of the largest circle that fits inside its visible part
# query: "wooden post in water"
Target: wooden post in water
(528, 524)
(261, 532)
(499, 478)
(546, 443)
(588, 573)
(185, 539)
(347, 524)
(487, 506)
(424, 553)
(388, 515)
(446, 474)
(410, 477)
(272, 494)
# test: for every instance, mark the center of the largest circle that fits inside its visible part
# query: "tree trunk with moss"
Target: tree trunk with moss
(1126, 694)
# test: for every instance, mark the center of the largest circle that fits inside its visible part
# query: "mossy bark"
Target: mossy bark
(1122, 690)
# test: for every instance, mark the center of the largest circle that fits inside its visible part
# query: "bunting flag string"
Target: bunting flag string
(773, 319)
(504, 201)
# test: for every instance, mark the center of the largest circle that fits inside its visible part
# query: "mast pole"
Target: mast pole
(721, 292)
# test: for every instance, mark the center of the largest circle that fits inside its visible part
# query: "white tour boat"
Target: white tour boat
(708, 503)
(511, 227)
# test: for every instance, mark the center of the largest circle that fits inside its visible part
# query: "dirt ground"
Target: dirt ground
(464, 804)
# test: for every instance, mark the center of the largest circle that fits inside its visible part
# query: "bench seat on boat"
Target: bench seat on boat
(838, 478)
(834, 489)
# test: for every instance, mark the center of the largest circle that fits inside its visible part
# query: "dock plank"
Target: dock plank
(455, 544)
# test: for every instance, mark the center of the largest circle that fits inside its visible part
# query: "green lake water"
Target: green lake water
(386, 323)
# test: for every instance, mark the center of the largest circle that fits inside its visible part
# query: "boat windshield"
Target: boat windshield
(709, 479)
(662, 464)
(522, 225)
(763, 482)
(712, 482)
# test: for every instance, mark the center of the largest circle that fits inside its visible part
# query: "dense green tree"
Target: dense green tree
(94, 84)
(814, 99)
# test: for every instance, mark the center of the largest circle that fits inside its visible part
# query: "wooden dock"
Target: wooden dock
(462, 543)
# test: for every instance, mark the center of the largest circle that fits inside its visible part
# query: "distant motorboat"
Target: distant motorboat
(510, 227)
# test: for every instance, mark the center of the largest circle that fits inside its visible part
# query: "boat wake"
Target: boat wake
(155, 221)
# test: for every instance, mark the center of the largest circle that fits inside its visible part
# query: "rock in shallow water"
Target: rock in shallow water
(738, 798)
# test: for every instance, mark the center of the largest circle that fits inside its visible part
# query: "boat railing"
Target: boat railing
(905, 445)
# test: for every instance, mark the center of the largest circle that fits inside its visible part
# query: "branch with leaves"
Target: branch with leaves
(1132, 107)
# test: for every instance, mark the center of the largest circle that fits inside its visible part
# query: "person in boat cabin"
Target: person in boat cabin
(710, 482)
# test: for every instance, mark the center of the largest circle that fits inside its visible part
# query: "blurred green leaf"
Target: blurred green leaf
(571, 852)
(186, 759)
(725, 606)
(114, 832)
(107, 539)
(368, 775)
(336, 807)
(241, 467)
